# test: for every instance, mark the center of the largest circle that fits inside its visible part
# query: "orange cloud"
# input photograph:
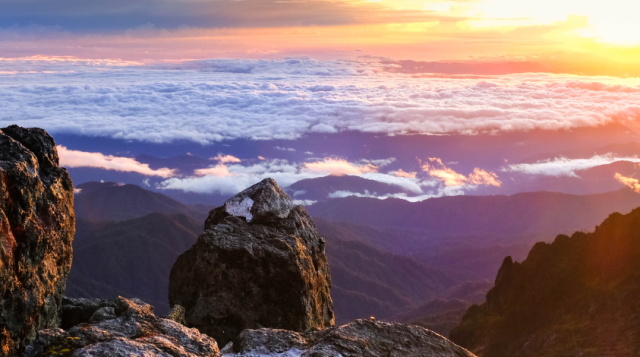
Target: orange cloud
(630, 182)
(220, 170)
(436, 168)
(226, 158)
(402, 173)
(482, 177)
(75, 158)
(339, 166)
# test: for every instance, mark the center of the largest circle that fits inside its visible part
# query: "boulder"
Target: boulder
(37, 225)
(120, 328)
(259, 263)
(368, 337)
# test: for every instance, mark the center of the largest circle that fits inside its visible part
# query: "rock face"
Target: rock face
(259, 263)
(575, 297)
(119, 328)
(37, 225)
(369, 338)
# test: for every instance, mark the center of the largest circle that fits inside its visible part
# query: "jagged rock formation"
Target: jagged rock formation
(37, 224)
(369, 338)
(119, 328)
(259, 263)
(575, 297)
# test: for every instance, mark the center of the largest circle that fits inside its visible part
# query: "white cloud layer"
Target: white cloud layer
(566, 167)
(235, 177)
(75, 158)
(207, 101)
(444, 191)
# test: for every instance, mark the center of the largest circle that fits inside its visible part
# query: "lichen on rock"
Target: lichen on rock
(259, 263)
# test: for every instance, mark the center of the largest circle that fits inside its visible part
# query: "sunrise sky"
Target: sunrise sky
(591, 37)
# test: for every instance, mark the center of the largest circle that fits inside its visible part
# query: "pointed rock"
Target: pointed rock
(259, 263)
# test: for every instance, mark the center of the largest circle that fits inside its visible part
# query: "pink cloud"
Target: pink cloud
(435, 168)
(75, 158)
(223, 159)
(630, 182)
(402, 173)
(220, 170)
(482, 177)
(339, 166)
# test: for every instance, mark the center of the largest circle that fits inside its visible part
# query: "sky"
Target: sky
(567, 36)
(434, 97)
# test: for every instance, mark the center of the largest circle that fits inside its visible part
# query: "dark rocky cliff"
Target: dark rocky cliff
(259, 263)
(575, 297)
(37, 225)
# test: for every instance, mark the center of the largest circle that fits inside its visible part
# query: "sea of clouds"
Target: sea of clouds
(213, 100)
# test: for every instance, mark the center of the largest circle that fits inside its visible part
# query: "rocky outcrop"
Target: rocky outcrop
(119, 328)
(369, 338)
(575, 297)
(259, 263)
(37, 225)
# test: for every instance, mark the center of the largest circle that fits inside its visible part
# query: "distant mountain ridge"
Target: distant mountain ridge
(111, 201)
(523, 213)
(319, 189)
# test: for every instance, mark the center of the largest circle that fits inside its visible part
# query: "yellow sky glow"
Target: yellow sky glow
(576, 36)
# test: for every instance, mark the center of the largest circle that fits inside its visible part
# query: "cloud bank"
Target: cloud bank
(75, 158)
(232, 178)
(214, 100)
(566, 167)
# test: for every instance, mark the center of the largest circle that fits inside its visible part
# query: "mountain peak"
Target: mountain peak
(262, 202)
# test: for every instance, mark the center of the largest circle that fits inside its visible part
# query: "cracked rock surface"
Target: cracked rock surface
(259, 263)
(120, 328)
(370, 338)
(37, 224)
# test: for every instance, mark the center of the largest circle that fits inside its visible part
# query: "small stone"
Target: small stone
(177, 314)
(102, 314)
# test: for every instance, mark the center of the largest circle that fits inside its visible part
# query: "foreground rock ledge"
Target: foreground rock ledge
(119, 328)
(37, 225)
(369, 338)
(259, 263)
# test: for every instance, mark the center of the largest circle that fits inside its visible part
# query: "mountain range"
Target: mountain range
(413, 262)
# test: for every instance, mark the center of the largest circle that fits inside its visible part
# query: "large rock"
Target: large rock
(369, 338)
(37, 224)
(119, 328)
(259, 263)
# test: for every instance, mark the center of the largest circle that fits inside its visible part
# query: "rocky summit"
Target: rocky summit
(37, 225)
(369, 338)
(259, 263)
(119, 328)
